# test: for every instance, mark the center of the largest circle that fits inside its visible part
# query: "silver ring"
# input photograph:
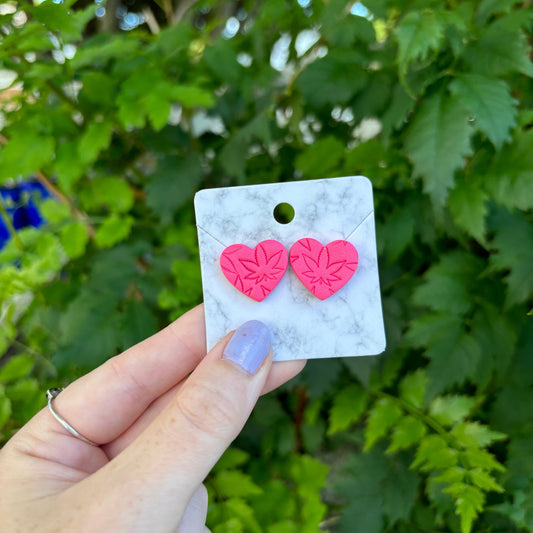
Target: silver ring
(51, 395)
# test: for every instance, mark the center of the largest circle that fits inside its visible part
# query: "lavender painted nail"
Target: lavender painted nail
(249, 345)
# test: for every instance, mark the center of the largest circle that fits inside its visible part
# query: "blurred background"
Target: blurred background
(113, 114)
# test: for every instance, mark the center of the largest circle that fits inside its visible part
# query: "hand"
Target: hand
(162, 412)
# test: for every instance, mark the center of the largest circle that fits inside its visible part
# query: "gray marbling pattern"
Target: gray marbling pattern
(350, 322)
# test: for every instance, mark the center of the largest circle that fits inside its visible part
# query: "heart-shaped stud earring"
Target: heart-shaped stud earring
(255, 272)
(323, 269)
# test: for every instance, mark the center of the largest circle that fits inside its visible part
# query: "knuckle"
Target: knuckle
(209, 408)
(130, 385)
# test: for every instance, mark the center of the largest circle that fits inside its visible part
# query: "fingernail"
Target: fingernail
(249, 345)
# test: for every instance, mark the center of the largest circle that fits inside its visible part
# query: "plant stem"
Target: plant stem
(428, 420)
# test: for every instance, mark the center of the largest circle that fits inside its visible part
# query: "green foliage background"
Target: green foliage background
(432, 100)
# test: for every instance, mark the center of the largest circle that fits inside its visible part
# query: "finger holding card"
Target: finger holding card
(313, 279)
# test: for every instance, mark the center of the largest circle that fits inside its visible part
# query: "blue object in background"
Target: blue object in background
(4, 233)
(21, 204)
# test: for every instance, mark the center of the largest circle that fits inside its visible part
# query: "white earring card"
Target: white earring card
(347, 323)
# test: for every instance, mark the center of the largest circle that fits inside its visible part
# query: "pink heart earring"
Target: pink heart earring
(323, 269)
(255, 272)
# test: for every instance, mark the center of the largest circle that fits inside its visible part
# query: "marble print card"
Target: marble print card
(310, 313)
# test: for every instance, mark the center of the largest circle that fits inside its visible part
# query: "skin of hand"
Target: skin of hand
(163, 413)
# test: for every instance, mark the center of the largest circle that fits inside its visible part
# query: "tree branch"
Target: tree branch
(181, 10)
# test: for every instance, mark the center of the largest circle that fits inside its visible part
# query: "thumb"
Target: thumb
(162, 469)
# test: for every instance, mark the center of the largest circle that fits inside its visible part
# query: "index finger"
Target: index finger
(104, 403)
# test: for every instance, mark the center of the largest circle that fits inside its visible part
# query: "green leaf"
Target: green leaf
(233, 154)
(469, 503)
(89, 312)
(321, 157)
(491, 104)
(455, 367)
(74, 239)
(490, 7)
(16, 159)
(238, 508)
(192, 96)
(99, 49)
(479, 458)
(400, 492)
(511, 412)
(5, 407)
(383, 415)
(221, 58)
(54, 211)
(333, 79)
(281, 502)
(365, 158)
(33, 36)
(513, 245)
(16, 368)
(400, 107)
(511, 185)
(26, 398)
(408, 431)
(348, 406)
(413, 388)
(320, 375)
(361, 484)
(484, 481)
(429, 329)
(114, 229)
(474, 434)
(371, 100)
(518, 511)
(173, 184)
(468, 206)
(418, 33)
(437, 142)
(176, 38)
(145, 92)
(398, 232)
(138, 322)
(157, 105)
(309, 474)
(111, 192)
(362, 515)
(313, 435)
(56, 17)
(455, 474)
(444, 287)
(313, 512)
(344, 32)
(284, 527)
(434, 454)
(68, 165)
(233, 525)
(527, 510)
(98, 88)
(232, 458)
(499, 51)
(448, 410)
(96, 137)
(232, 483)
(133, 115)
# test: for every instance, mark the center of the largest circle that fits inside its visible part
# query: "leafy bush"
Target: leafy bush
(430, 99)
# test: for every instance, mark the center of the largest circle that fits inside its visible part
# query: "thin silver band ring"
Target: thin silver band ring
(51, 394)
